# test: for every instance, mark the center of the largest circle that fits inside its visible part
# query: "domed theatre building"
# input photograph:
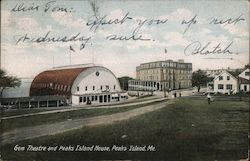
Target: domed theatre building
(79, 84)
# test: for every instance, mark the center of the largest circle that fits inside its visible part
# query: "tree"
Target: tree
(199, 78)
(7, 82)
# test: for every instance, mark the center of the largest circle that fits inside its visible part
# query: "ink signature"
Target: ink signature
(196, 48)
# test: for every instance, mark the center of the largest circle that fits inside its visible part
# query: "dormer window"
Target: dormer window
(220, 77)
(228, 77)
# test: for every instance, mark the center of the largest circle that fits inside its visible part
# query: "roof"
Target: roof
(247, 66)
(226, 71)
(57, 82)
(233, 73)
(243, 81)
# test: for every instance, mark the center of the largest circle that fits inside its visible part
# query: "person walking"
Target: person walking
(209, 98)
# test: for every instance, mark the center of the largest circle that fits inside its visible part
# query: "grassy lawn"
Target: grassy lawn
(187, 130)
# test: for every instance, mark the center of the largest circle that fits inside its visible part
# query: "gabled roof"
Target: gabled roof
(247, 66)
(228, 72)
(233, 73)
(243, 81)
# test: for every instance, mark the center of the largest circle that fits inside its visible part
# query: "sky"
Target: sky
(160, 22)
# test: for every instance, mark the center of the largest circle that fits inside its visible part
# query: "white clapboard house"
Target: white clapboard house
(229, 82)
(226, 82)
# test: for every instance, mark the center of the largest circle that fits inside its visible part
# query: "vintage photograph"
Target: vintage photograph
(134, 80)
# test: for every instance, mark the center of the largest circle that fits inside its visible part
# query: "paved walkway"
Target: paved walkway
(56, 128)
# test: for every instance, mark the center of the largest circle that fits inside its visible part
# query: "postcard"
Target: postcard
(124, 80)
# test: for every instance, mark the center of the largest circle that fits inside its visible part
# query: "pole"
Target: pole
(53, 62)
(165, 51)
(169, 76)
(0, 60)
(69, 57)
(92, 54)
(152, 85)
(162, 78)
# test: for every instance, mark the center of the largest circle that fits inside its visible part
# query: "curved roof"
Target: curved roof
(55, 82)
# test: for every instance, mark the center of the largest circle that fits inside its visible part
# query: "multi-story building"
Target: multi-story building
(162, 75)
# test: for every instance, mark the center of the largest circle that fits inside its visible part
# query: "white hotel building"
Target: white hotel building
(160, 75)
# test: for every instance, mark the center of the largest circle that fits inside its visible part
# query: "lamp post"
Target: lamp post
(164, 81)
(169, 75)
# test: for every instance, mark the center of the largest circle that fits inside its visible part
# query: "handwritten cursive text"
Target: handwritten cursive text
(196, 48)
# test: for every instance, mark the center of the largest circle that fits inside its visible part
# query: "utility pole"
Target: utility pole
(0, 60)
(162, 78)
(168, 69)
(169, 74)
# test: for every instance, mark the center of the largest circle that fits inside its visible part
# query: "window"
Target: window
(80, 99)
(245, 87)
(93, 88)
(247, 73)
(220, 86)
(86, 88)
(92, 98)
(77, 88)
(220, 77)
(95, 98)
(65, 88)
(228, 77)
(101, 88)
(68, 88)
(84, 99)
(229, 86)
(114, 87)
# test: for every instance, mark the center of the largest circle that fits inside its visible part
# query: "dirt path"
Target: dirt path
(60, 127)
(85, 107)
